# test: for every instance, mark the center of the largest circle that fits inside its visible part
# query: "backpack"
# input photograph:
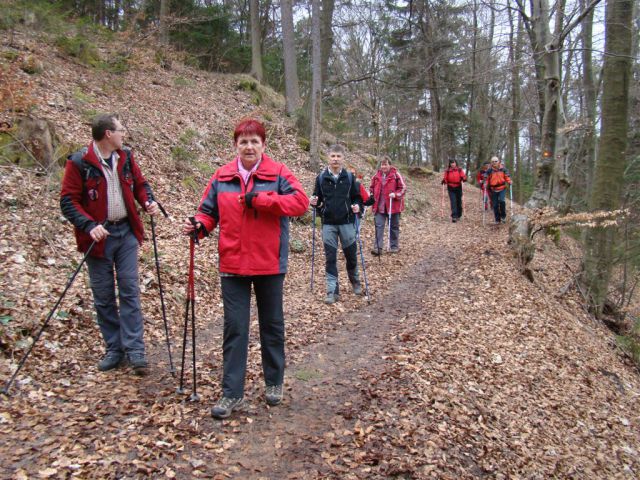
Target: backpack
(88, 171)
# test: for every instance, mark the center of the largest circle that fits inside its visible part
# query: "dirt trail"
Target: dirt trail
(324, 389)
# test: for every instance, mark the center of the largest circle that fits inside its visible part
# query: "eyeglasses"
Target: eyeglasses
(121, 130)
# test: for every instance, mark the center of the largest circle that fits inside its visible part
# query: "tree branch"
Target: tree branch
(577, 20)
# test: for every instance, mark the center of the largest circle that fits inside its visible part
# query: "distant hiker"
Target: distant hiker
(497, 180)
(481, 180)
(367, 200)
(251, 199)
(101, 184)
(387, 189)
(337, 196)
(453, 178)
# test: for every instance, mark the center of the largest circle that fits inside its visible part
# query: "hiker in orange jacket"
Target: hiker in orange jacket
(453, 178)
(497, 179)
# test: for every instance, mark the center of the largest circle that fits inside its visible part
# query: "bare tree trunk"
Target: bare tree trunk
(292, 91)
(316, 85)
(589, 89)
(326, 36)
(164, 30)
(256, 41)
(608, 187)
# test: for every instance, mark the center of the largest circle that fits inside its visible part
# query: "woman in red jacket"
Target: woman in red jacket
(251, 198)
(387, 190)
(453, 178)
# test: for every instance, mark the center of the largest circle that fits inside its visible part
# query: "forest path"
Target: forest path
(458, 368)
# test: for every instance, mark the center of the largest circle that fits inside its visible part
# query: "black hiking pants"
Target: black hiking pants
(455, 198)
(236, 297)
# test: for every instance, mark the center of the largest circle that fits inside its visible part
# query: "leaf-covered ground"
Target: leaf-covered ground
(459, 367)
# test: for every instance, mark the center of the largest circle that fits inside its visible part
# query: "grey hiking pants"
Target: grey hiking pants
(382, 220)
(347, 235)
(122, 328)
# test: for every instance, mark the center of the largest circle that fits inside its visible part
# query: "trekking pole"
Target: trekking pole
(511, 199)
(389, 232)
(364, 270)
(313, 246)
(190, 308)
(484, 206)
(172, 369)
(464, 200)
(442, 203)
(7, 386)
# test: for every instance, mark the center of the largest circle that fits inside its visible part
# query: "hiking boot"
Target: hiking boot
(331, 298)
(139, 363)
(504, 220)
(454, 220)
(394, 250)
(376, 252)
(225, 406)
(357, 288)
(110, 361)
(273, 394)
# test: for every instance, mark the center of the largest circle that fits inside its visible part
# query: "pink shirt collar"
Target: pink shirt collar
(246, 173)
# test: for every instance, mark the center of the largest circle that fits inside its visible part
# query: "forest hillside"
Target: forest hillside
(457, 367)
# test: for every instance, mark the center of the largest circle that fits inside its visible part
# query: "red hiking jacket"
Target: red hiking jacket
(454, 177)
(252, 240)
(497, 180)
(380, 190)
(83, 197)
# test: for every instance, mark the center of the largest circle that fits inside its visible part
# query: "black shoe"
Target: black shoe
(376, 252)
(110, 361)
(139, 363)
(454, 220)
(225, 406)
(273, 394)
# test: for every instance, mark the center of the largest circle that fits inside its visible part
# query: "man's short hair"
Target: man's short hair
(102, 123)
(336, 148)
(495, 159)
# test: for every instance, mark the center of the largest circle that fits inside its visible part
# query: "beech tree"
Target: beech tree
(610, 165)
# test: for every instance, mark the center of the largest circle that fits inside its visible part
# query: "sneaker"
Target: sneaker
(139, 364)
(357, 288)
(273, 394)
(504, 220)
(394, 250)
(331, 298)
(110, 361)
(225, 406)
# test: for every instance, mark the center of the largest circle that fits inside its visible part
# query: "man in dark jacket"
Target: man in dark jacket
(101, 184)
(337, 196)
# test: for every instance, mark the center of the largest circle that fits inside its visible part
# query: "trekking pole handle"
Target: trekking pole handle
(194, 234)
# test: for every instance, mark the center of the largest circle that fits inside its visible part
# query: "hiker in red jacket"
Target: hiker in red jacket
(251, 198)
(497, 180)
(481, 180)
(453, 178)
(101, 185)
(387, 189)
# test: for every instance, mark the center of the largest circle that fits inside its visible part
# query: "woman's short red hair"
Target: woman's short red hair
(249, 127)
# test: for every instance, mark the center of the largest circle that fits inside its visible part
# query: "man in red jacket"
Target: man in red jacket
(101, 184)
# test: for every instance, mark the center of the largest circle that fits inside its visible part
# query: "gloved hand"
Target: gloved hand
(247, 198)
